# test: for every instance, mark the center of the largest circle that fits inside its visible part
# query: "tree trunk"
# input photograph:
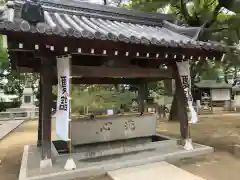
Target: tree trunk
(116, 86)
(168, 91)
(168, 88)
(225, 77)
(235, 72)
(173, 116)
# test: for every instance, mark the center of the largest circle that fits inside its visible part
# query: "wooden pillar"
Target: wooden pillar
(181, 103)
(46, 95)
(141, 97)
(173, 116)
(39, 141)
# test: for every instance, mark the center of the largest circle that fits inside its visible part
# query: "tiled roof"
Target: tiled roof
(236, 89)
(82, 21)
(213, 84)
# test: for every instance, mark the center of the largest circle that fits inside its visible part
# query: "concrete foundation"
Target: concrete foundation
(235, 149)
(99, 159)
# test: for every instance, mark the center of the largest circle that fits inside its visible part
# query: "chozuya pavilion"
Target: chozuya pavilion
(95, 44)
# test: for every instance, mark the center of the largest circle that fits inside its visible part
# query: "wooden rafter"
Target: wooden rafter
(66, 45)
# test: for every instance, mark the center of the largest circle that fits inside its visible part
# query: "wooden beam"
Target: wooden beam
(46, 75)
(89, 71)
(113, 80)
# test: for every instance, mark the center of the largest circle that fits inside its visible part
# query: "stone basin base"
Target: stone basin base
(102, 158)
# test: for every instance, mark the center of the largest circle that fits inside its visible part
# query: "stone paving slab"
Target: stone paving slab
(8, 126)
(154, 171)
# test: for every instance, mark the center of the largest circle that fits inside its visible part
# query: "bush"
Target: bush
(100, 101)
(6, 105)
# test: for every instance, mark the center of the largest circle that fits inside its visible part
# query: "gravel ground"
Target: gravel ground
(217, 131)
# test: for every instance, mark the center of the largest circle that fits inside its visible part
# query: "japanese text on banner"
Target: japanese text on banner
(64, 97)
(63, 106)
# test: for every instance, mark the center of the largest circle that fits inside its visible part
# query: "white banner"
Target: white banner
(184, 72)
(63, 105)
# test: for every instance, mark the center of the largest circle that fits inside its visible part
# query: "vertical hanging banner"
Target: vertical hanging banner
(63, 103)
(184, 73)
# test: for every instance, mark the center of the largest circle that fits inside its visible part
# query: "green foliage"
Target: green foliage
(14, 83)
(4, 63)
(3, 55)
(148, 5)
(193, 12)
(11, 81)
(220, 26)
(208, 74)
(157, 87)
(96, 97)
(6, 105)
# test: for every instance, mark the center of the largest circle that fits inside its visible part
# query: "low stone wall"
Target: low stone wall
(19, 115)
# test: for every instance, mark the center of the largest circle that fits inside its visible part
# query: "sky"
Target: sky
(93, 1)
(165, 10)
(99, 1)
(96, 1)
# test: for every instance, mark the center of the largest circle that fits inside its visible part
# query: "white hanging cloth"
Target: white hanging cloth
(184, 72)
(63, 103)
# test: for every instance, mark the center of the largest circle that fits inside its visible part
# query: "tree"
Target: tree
(218, 25)
(11, 81)
(4, 64)
(193, 12)
(95, 97)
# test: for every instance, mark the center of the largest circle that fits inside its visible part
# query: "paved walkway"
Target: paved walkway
(156, 171)
(7, 126)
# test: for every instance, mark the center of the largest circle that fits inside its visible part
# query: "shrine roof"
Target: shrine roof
(236, 88)
(213, 84)
(84, 20)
